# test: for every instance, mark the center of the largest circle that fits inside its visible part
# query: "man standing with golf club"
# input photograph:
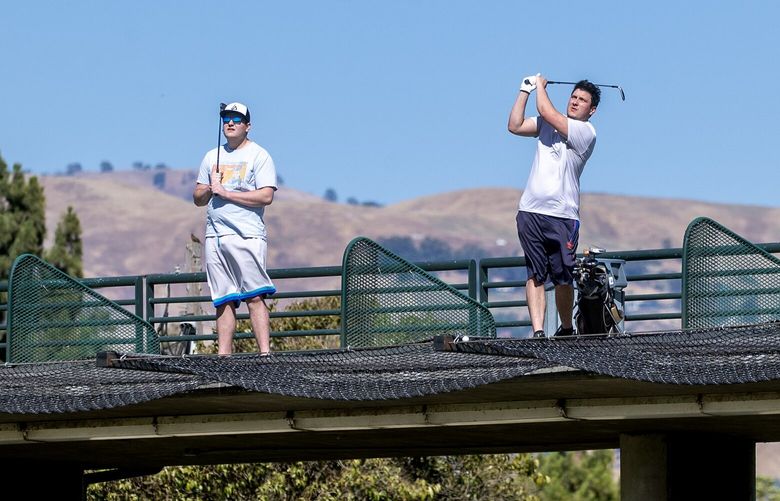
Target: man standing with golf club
(548, 216)
(237, 180)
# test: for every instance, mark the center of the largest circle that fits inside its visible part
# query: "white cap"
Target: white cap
(239, 108)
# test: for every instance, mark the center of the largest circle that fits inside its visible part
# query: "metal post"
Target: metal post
(550, 310)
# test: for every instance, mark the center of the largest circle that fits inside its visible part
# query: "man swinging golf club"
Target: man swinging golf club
(548, 215)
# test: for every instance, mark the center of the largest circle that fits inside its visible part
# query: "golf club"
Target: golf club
(219, 134)
(622, 94)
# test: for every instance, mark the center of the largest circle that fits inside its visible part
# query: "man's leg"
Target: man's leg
(226, 327)
(261, 323)
(534, 295)
(564, 301)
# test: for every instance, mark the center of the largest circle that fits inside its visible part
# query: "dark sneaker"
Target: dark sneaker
(564, 332)
(538, 333)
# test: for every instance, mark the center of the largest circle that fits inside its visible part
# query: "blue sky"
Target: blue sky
(388, 101)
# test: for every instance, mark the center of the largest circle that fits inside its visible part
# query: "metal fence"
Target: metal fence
(652, 300)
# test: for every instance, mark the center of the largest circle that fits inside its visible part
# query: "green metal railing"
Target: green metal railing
(658, 305)
(464, 271)
(652, 296)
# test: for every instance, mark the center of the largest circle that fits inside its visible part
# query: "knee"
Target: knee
(256, 302)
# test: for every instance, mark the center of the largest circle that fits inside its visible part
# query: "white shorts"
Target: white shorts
(235, 269)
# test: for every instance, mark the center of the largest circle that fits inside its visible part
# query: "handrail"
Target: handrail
(152, 299)
(644, 309)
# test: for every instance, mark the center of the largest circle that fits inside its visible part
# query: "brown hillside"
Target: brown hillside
(130, 227)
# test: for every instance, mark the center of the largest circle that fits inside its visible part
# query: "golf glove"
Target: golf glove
(529, 84)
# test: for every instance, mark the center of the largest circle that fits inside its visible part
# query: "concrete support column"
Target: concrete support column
(677, 467)
(643, 468)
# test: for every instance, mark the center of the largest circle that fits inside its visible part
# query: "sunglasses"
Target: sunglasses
(235, 120)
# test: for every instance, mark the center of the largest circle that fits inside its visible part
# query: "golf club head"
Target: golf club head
(222, 107)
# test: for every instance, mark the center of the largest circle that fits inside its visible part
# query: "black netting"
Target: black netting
(81, 386)
(728, 355)
(366, 374)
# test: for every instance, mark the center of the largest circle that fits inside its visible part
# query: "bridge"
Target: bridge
(684, 405)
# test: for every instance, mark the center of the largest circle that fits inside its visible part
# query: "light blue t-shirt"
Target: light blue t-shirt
(245, 169)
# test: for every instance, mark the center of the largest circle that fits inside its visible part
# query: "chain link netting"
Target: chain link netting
(60, 387)
(366, 374)
(387, 301)
(726, 279)
(727, 355)
(52, 316)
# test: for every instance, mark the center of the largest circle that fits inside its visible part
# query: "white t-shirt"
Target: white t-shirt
(246, 169)
(553, 186)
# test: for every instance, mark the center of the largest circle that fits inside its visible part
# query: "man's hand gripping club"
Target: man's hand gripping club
(529, 84)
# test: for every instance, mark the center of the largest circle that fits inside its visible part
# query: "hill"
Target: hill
(132, 225)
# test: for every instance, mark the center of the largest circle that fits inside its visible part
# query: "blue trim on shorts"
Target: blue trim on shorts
(236, 297)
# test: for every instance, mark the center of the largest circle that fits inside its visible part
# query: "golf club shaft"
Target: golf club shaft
(622, 94)
(575, 83)
(219, 135)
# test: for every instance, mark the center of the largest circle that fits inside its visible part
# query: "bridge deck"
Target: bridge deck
(479, 397)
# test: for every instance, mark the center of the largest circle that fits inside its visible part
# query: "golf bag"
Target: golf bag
(596, 311)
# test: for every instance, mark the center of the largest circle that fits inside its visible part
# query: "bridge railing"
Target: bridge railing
(652, 300)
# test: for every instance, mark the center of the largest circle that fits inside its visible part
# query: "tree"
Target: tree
(471, 251)
(22, 216)
(434, 249)
(579, 476)
(767, 489)
(403, 246)
(73, 168)
(330, 195)
(66, 252)
(159, 180)
(106, 166)
(23, 223)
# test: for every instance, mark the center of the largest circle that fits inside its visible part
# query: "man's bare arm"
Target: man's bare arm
(255, 198)
(518, 123)
(546, 109)
(201, 195)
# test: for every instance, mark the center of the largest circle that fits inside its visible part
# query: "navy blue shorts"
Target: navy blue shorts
(550, 245)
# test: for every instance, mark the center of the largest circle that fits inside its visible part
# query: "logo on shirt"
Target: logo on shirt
(233, 174)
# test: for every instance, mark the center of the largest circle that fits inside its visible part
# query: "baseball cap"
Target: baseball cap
(239, 108)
